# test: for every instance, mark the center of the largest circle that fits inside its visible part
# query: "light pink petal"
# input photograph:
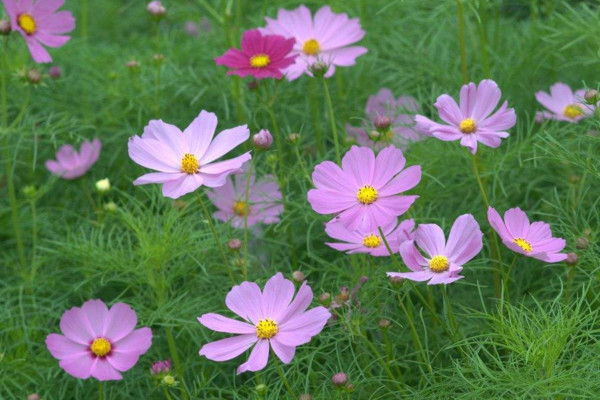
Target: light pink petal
(310, 322)
(183, 185)
(103, 371)
(448, 110)
(550, 245)
(464, 241)
(517, 223)
(228, 348)
(328, 175)
(329, 202)
(123, 361)
(44, 8)
(430, 238)
(11, 8)
(75, 326)
(412, 257)
(227, 166)
(562, 91)
(470, 142)
(293, 339)
(151, 153)
(498, 224)
(62, 347)
(245, 300)
(406, 180)
(443, 278)
(258, 358)
(348, 247)
(60, 22)
(52, 40)
(96, 313)
(158, 177)
(78, 366)
(488, 96)
(127, 350)
(167, 135)
(550, 257)
(285, 353)
(120, 322)
(468, 96)
(389, 163)
(360, 162)
(224, 142)
(419, 276)
(277, 295)
(220, 323)
(300, 303)
(503, 119)
(344, 57)
(538, 231)
(38, 52)
(446, 133)
(200, 133)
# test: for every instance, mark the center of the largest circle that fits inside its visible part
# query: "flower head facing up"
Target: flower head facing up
(271, 320)
(363, 193)
(472, 121)
(370, 241)
(40, 23)
(186, 160)
(530, 239)
(326, 38)
(444, 260)
(263, 205)
(392, 117)
(98, 341)
(261, 56)
(70, 164)
(563, 105)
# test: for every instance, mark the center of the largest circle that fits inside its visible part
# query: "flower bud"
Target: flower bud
(349, 387)
(384, 324)
(30, 192)
(33, 396)
(325, 299)
(582, 243)
(103, 185)
(305, 397)
(234, 244)
(169, 380)
(263, 139)
(574, 178)
(319, 69)
(382, 123)
(344, 295)
(261, 388)
(34, 76)
(111, 206)
(132, 64)
(591, 96)
(294, 138)
(374, 135)
(179, 205)
(156, 9)
(161, 366)
(4, 27)
(396, 281)
(339, 380)
(191, 29)
(571, 259)
(55, 72)
(298, 276)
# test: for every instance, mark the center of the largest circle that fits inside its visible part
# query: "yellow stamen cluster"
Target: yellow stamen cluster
(189, 164)
(311, 47)
(240, 208)
(438, 264)
(367, 195)
(572, 111)
(27, 23)
(524, 244)
(467, 125)
(260, 61)
(372, 241)
(100, 347)
(266, 329)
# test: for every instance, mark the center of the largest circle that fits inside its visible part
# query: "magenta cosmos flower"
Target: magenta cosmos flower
(444, 260)
(530, 239)
(370, 241)
(271, 320)
(185, 160)
(40, 24)
(99, 342)
(261, 56)
(70, 164)
(472, 121)
(562, 104)
(325, 38)
(263, 205)
(398, 114)
(364, 191)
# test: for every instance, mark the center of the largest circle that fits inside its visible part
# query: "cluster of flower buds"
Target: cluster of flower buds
(161, 371)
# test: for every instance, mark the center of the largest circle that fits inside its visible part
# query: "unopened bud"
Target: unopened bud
(591, 96)
(191, 29)
(103, 185)
(582, 243)
(571, 259)
(298, 276)
(263, 139)
(574, 179)
(294, 138)
(34, 76)
(55, 72)
(179, 204)
(374, 135)
(384, 324)
(349, 387)
(382, 122)
(169, 380)
(396, 280)
(111, 206)
(325, 299)
(234, 244)
(339, 380)
(158, 58)
(261, 388)
(4, 27)
(30, 191)
(33, 396)
(156, 9)
(132, 64)
(319, 69)
(305, 397)
(163, 366)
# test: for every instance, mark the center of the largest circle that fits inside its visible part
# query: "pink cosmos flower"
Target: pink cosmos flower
(563, 104)
(472, 121)
(261, 56)
(325, 38)
(70, 164)
(271, 320)
(264, 200)
(40, 24)
(99, 342)
(530, 239)
(185, 159)
(444, 260)
(370, 241)
(400, 114)
(364, 191)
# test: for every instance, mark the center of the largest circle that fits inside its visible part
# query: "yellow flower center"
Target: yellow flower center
(372, 241)
(27, 23)
(311, 47)
(266, 329)
(240, 208)
(260, 61)
(100, 347)
(572, 111)
(524, 244)
(467, 125)
(189, 164)
(367, 195)
(438, 264)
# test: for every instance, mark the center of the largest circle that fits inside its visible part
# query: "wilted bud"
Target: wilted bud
(384, 324)
(571, 259)
(34, 76)
(298, 276)
(374, 135)
(591, 96)
(103, 185)
(319, 69)
(396, 280)
(55, 72)
(339, 380)
(294, 138)
(161, 366)
(344, 295)
(382, 122)
(4, 27)
(234, 244)
(191, 29)
(325, 299)
(111, 206)
(261, 388)
(33, 396)
(132, 64)
(156, 9)
(305, 397)
(582, 243)
(263, 139)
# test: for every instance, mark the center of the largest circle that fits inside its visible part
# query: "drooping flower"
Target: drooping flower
(98, 341)
(261, 56)
(263, 205)
(472, 121)
(70, 164)
(363, 193)
(530, 239)
(40, 23)
(562, 104)
(444, 260)
(370, 241)
(185, 160)
(399, 113)
(326, 38)
(271, 320)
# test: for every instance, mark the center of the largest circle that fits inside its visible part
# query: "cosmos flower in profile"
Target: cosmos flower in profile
(473, 120)
(261, 56)
(530, 239)
(187, 160)
(562, 104)
(40, 23)
(271, 320)
(326, 38)
(70, 164)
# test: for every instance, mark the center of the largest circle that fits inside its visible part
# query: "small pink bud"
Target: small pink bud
(263, 139)
(156, 9)
(161, 366)
(33, 396)
(382, 122)
(4, 27)
(571, 259)
(582, 243)
(396, 280)
(298, 276)
(234, 244)
(132, 64)
(339, 380)
(384, 324)
(55, 72)
(191, 29)
(591, 96)
(325, 299)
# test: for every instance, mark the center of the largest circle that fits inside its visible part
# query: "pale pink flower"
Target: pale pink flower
(272, 320)
(530, 239)
(70, 164)
(444, 260)
(563, 105)
(99, 342)
(185, 160)
(327, 38)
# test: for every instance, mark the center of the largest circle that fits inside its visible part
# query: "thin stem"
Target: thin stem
(389, 249)
(166, 392)
(284, 379)
(175, 355)
(314, 111)
(84, 18)
(246, 195)
(415, 335)
(505, 281)
(462, 41)
(332, 120)
(482, 25)
(302, 164)
(452, 327)
(101, 390)
(383, 364)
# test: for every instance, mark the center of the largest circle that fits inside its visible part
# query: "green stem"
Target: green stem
(314, 111)
(100, 390)
(462, 41)
(505, 281)
(302, 164)
(166, 392)
(482, 26)
(84, 18)
(283, 378)
(415, 335)
(175, 356)
(382, 362)
(332, 120)
(246, 195)
(34, 240)
(452, 327)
